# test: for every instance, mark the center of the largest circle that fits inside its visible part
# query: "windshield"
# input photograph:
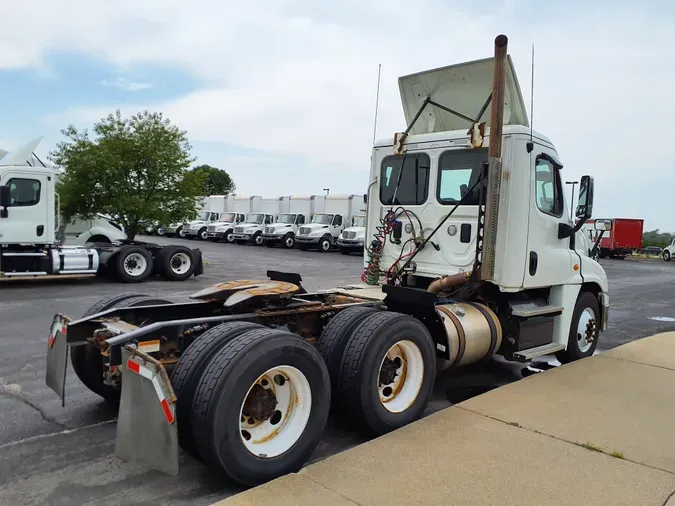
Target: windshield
(323, 219)
(359, 221)
(255, 218)
(227, 217)
(204, 216)
(286, 218)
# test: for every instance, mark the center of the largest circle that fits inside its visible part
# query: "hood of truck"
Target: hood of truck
(313, 227)
(277, 227)
(360, 232)
(250, 225)
(197, 222)
(463, 88)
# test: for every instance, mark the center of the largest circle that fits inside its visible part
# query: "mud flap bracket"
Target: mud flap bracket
(147, 430)
(57, 356)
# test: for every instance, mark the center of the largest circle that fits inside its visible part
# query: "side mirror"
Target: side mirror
(603, 225)
(585, 202)
(5, 200)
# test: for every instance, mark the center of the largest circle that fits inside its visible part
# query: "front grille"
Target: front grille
(304, 230)
(239, 230)
(349, 235)
(269, 230)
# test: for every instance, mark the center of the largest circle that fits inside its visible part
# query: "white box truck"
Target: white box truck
(237, 208)
(295, 212)
(212, 208)
(251, 230)
(326, 226)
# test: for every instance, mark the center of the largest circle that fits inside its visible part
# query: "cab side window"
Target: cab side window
(24, 192)
(548, 188)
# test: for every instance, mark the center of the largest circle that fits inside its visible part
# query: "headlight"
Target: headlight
(315, 233)
(250, 231)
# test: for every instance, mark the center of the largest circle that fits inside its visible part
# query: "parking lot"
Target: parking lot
(55, 455)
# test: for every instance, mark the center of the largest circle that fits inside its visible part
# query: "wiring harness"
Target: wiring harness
(389, 229)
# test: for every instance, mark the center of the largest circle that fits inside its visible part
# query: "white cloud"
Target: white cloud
(297, 79)
(124, 84)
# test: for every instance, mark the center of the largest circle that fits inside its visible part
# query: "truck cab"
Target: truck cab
(251, 230)
(321, 232)
(224, 227)
(669, 251)
(353, 237)
(198, 227)
(284, 230)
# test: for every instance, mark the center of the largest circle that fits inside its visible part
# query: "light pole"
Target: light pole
(327, 190)
(573, 183)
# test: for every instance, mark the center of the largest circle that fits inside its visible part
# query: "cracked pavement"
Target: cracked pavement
(55, 455)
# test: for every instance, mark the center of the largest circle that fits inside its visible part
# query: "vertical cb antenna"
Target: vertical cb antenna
(377, 101)
(532, 97)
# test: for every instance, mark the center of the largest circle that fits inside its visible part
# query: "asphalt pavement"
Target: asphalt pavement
(64, 455)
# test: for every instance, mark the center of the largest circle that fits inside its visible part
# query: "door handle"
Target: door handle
(534, 260)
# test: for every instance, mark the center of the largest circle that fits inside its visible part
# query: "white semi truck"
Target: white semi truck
(30, 228)
(326, 225)
(470, 254)
(251, 230)
(237, 206)
(295, 212)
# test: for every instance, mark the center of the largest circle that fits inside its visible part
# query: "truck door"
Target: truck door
(549, 259)
(336, 227)
(28, 220)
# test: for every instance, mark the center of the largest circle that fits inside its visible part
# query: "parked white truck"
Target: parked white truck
(669, 252)
(30, 228)
(295, 212)
(237, 206)
(470, 254)
(251, 230)
(352, 238)
(212, 208)
(327, 224)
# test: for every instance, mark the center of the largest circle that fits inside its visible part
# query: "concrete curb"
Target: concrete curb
(597, 431)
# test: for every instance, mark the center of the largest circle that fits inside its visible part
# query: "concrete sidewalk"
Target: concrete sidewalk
(597, 431)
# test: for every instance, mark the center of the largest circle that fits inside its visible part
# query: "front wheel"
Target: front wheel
(258, 239)
(160, 231)
(666, 256)
(289, 241)
(229, 237)
(261, 406)
(180, 232)
(584, 329)
(203, 234)
(325, 244)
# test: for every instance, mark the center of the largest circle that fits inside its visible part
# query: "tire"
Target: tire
(127, 258)
(160, 231)
(325, 244)
(288, 241)
(87, 360)
(179, 232)
(666, 256)
(358, 390)
(219, 406)
(257, 239)
(202, 234)
(229, 237)
(331, 344)
(575, 350)
(188, 372)
(175, 263)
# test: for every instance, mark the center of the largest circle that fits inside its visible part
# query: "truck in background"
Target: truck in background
(30, 225)
(621, 239)
(211, 209)
(352, 238)
(295, 212)
(237, 206)
(669, 251)
(97, 229)
(326, 225)
(251, 230)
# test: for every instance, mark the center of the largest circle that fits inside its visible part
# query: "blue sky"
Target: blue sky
(283, 97)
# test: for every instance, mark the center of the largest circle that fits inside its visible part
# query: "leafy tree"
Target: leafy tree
(656, 238)
(133, 169)
(218, 182)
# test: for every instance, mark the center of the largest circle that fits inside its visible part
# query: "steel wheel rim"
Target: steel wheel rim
(275, 429)
(180, 263)
(586, 330)
(325, 245)
(404, 359)
(160, 231)
(289, 242)
(229, 237)
(203, 234)
(258, 240)
(135, 264)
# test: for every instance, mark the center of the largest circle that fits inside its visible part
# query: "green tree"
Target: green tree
(133, 169)
(656, 238)
(218, 182)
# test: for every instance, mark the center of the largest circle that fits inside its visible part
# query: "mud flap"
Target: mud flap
(147, 430)
(57, 356)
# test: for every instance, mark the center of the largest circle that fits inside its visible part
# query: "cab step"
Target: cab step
(531, 308)
(546, 349)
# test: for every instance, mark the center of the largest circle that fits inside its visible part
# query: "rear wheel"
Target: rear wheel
(87, 360)
(387, 373)
(175, 263)
(584, 329)
(188, 372)
(133, 264)
(261, 406)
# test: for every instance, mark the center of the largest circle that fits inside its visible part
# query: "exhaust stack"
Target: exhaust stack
(494, 174)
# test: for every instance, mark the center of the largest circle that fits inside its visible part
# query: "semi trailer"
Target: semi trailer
(470, 254)
(30, 226)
